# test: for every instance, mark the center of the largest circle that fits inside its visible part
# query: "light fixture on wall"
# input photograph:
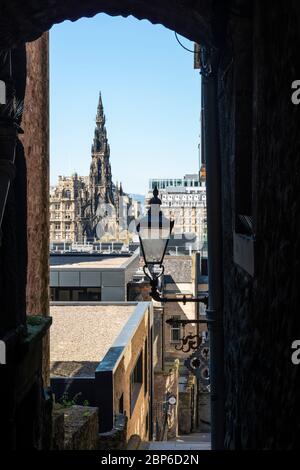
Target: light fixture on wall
(154, 232)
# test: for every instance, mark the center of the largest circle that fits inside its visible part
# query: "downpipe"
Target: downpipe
(214, 312)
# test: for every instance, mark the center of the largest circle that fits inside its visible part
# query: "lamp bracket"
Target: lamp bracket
(156, 295)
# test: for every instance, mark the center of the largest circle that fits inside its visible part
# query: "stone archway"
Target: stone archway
(28, 23)
(23, 23)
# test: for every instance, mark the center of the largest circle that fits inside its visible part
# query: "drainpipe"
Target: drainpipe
(210, 141)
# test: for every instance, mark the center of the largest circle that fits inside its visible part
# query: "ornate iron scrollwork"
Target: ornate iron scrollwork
(198, 363)
(189, 343)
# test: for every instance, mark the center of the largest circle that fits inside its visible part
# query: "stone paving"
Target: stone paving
(195, 441)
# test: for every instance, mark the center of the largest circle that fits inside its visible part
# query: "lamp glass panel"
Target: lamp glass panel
(154, 250)
(154, 233)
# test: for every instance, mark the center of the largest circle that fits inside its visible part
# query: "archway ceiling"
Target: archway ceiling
(25, 21)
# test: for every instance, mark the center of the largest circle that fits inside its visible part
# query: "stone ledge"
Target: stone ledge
(80, 424)
(116, 438)
(134, 442)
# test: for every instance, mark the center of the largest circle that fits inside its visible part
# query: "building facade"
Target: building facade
(89, 208)
(114, 370)
(66, 200)
(87, 277)
(184, 200)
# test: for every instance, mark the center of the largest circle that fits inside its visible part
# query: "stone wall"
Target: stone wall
(138, 291)
(116, 439)
(137, 412)
(204, 424)
(35, 123)
(187, 409)
(166, 383)
(76, 428)
(261, 312)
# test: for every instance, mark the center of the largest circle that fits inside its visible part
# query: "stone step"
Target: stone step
(195, 441)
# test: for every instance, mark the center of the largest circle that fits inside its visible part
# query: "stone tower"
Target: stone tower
(101, 186)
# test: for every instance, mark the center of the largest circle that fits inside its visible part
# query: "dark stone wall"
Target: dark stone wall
(261, 316)
(13, 233)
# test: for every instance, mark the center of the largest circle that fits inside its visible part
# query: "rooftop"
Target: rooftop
(88, 262)
(82, 334)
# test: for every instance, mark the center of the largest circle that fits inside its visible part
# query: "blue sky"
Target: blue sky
(151, 97)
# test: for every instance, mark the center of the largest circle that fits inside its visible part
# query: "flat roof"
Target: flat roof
(88, 262)
(82, 334)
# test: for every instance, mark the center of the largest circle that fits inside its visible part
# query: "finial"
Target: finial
(155, 199)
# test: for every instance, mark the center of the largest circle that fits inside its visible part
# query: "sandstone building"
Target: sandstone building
(184, 200)
(89, 208)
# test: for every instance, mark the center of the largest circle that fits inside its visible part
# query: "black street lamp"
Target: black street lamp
(154, 232)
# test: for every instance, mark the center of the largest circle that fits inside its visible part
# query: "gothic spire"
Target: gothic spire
(100, 117)
(100, 170)
(100, 135)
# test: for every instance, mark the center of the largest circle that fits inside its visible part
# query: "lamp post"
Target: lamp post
(154, 231)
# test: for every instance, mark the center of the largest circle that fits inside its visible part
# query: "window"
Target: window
(68, 227)
(136, 380)
(57, 207)
(75, 294)
(121, 404)
(57, 226)
(64, 295)
(175, 330)
(146, 367)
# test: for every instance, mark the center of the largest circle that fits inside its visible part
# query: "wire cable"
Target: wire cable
(183, 46)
